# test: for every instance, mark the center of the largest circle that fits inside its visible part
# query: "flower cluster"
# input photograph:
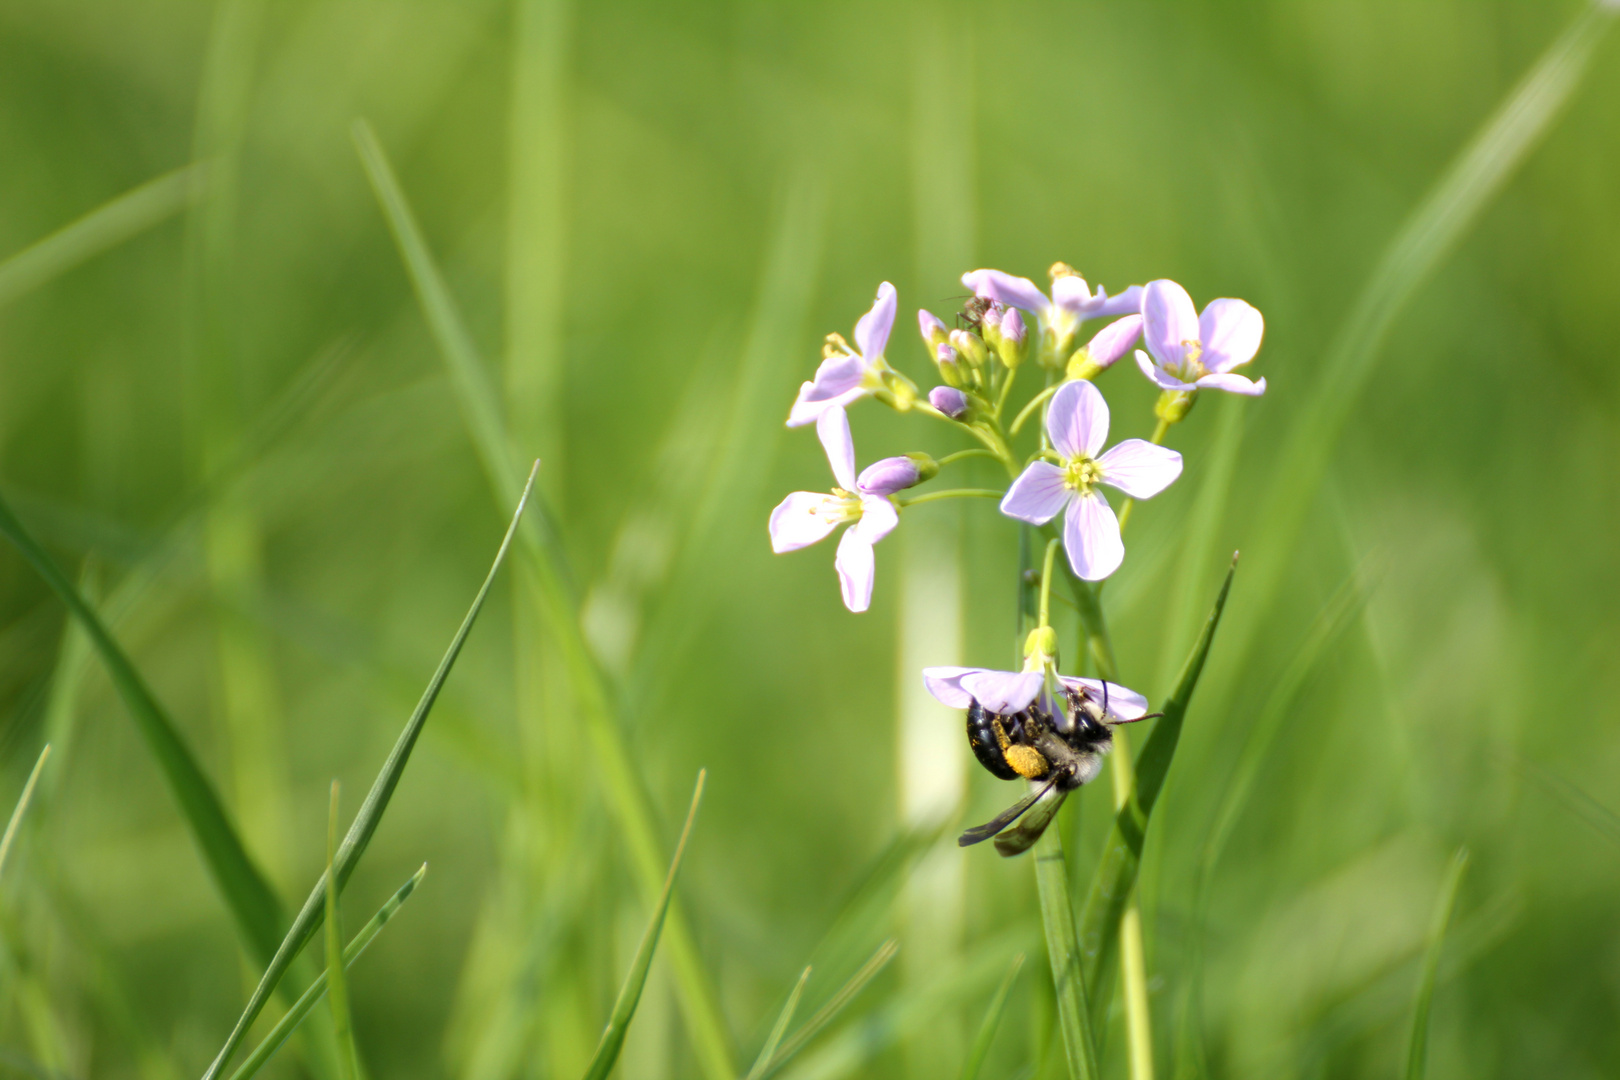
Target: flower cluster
(1008, 323)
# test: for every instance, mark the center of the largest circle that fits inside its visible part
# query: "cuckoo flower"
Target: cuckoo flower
(1077, 424)
(1197, 352)
(805, 517)
(846, 375)
(1071, 304)
(1008, 692)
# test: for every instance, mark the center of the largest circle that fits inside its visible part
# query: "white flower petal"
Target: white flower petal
(832, 428)
(878, 518)
(1231, 331)
(1003, 691)
(1158, 376)
(1168, 319)
(1037, 495)
(1233, 384)
(1128, 302)
(796, 522)
(872, 332)
(1091, 537)
(1073, 295)
(1140, 469)
(856, 568)
(945, 683)
(1077, 419)
(837, 382)
(1013, 291)
(1124, 705)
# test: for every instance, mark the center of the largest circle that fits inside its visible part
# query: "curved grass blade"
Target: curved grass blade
(829, 1012)
(22, 806)
(624, 1008)
(992, 1020)
(1122, 854)
(1418, 1051)
(107, 226)
(558, 606)
(371, 811)
(778, 1029)
(1075, 1019)
(253, 905)
(312, 996)
(337, 985)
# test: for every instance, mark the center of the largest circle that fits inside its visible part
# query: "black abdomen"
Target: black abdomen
(981, 735)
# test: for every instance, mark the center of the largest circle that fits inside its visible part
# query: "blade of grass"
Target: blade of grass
(311, 997)
(22, 806)
(107, 226)
(253, 905)
(1434, 227)
(558, 606)
(371, 811)
(337, 986)
(778, 1029)
(1115, 876)
(1572, 798)
(1418, 1051)
(992, 1020)
(624, 1008)
(835, 1005)
(1063, 949)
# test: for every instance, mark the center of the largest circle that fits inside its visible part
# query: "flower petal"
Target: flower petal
(856, 567)
(1003, 691)
(948, 400)
(1158, 376)
(1139, 469)
(1231, 331)
(1037, 495)
(1128, 302)
(837, 381)
(832, 428)
(888, 476)
(878, 518)
(1077, 419)
(1233, 384)
(1071, 293)
(796, 523)
(1091, 537)
(1013, 291)
(945, 683)
(1114, 340)
(1124, 704)
(872, 332)
(1168, 319)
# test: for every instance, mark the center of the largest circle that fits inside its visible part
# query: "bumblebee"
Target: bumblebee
(1060, 753)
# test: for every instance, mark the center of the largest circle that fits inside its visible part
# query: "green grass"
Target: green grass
(266, 402)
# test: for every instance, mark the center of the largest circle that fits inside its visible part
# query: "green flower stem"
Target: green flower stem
(1052, 546)
(1034, 405)
(949, 493)
(1006, 389)
(971, 452)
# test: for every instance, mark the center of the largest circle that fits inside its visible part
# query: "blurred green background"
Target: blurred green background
(231, 419)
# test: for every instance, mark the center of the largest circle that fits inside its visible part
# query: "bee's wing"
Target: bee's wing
(1021, 838)
(980, 833)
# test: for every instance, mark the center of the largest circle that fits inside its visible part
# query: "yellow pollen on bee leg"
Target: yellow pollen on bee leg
(1026, 761)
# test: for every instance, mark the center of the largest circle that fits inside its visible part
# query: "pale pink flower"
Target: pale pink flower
(1198, 352)
(846, 377)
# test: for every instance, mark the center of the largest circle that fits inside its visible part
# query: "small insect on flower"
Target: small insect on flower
(1056, 745)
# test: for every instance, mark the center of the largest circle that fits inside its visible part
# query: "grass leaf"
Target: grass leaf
(337, 986)
(829, 1012)
(558, 607)
(624, 1007)
(107, 226)
(1418, 1050)
(371, 811)
(253, 905)
(1063, 949)
(1122, 854)
(778, 1029)
(992, 1020)
(22, 806)
(311, 997)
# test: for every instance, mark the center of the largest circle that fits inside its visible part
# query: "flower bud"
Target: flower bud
(949, 400)
(933, 331)
(971, 346)
(896, 474)
(1014, 339)
(1040, 647)
(949, 364)
(1111, 342)
(1174, 405)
